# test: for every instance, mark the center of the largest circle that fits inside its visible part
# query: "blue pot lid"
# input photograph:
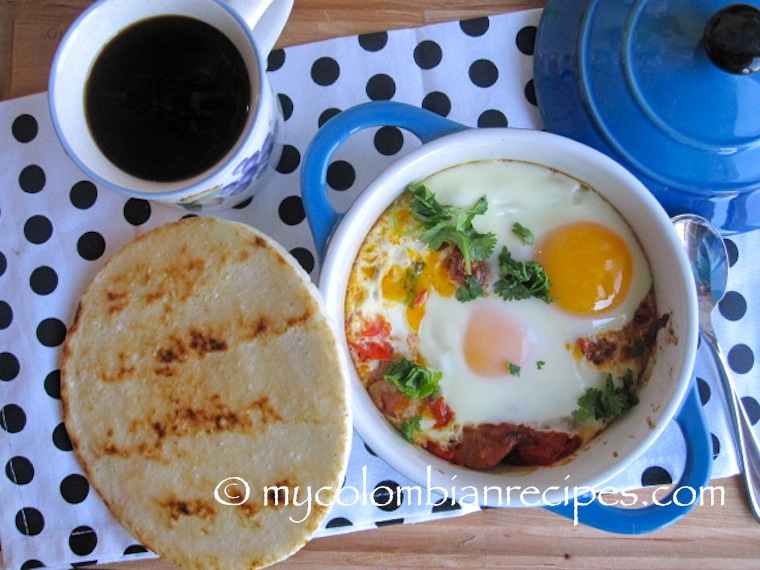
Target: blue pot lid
(634, 79)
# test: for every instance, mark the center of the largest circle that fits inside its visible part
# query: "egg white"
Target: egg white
(550, 379)
(542, 200)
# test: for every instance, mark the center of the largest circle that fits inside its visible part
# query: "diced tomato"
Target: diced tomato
(371, 350)
(373, 341)
(377, 328)
(420, 298)
(441, 412)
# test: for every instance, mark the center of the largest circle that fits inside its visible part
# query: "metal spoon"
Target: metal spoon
(709, 264)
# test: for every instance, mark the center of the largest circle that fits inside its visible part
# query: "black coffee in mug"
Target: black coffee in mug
(167, 98)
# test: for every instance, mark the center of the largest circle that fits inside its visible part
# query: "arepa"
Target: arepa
(198, 355)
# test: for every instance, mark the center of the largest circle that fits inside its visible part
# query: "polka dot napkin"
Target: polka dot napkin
(57, 229)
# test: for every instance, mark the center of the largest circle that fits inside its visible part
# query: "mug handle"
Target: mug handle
(267, 19)
(593, 512)
(322, 217)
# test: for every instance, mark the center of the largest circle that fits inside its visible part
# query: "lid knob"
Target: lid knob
(732, 39)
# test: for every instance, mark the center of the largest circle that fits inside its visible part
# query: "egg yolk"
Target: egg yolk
(493, 341)
(413, 284)
(589, 266)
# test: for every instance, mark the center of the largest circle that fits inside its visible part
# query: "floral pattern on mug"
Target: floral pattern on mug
(250, 169)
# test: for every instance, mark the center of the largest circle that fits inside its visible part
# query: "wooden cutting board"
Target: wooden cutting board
(30, 30)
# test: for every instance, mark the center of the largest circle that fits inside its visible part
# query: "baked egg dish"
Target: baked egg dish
(501, 312)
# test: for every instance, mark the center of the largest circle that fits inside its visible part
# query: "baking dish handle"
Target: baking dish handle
(683, 496)
(323, 218)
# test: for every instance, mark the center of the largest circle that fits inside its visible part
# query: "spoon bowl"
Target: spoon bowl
(709, 264)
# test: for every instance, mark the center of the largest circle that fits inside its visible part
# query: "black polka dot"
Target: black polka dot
(43, 280)
(32, 179)
(381, 87)
(51, 332)
(338, 522)
(390, 522)
(3, 263)
(483, 73)
(715, 446)
(388, 140)
(29, 521)
(655, 476)
(704, 390)
(135, 549)
(83, 540)
(740, 358)
(427, 54)
(530, 92)
(341, 175)
(61, 438)
(326, 115)
(437, 102)
(38, 229)
(276, 59)
(12, 418)
(733, 306)
(752, 407)
(136, 211)
(304, 257)
(243, 204)
(91, 245)
(387, 496)
(24, 128)
(290, 159)
(325, 71)
(291, 210)
(286, 104)
(9, 366)
(445, 506)
(53, 384)
(492, 118)
(74, 488)
(373, 42)
(83, 194)
(732, 250)
(526, 40)
(29, 564)
(475, 27)
(6, 315)
(19, 470)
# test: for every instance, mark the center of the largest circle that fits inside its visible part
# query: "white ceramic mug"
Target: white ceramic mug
(252, 26)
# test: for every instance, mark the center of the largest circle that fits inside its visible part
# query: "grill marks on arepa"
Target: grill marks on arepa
(149, 436)
(199, 353)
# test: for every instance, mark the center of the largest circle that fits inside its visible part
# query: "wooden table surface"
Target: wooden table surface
(716, 535)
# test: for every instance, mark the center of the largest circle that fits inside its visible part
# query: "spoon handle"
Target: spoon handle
(746, 441)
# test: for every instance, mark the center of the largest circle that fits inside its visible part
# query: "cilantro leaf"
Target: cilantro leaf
(472, 289)
(408, 427)
(449, 224)
(609, 403)
(521, 279)
(414, 381)
(425, 208)
(411, 279)
(513, 369)
(523, 233)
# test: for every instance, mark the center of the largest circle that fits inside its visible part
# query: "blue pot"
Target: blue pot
(665, 87)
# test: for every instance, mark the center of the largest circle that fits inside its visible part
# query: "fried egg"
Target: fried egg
(503, 361)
